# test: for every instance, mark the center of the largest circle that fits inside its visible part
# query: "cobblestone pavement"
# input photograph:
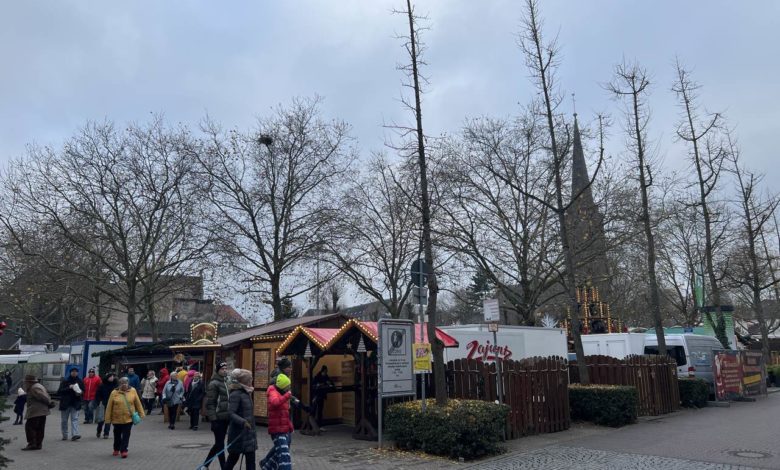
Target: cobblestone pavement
(743, 436)
(576, 458)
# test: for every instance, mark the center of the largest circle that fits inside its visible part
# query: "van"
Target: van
(617, 345)
(693, 354)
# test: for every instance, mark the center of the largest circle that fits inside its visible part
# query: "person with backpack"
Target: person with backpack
(217, 397)
(241, 431)
(173, 397)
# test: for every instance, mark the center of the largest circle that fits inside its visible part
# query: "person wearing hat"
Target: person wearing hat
(122, 403)
(217, 397)
(21, 399)
(283, 366)
(91, 383)
(38, 408)
(280, 427)
(70, 392)
(241, 431)
(101, 397)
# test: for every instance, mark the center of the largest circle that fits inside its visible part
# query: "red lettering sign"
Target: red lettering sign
(487, 351)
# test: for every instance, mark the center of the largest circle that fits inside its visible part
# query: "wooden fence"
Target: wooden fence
(535, 389)
(654, 377)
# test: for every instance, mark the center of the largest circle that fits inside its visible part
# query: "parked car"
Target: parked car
(693, 353)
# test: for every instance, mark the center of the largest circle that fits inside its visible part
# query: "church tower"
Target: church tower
(586, 231)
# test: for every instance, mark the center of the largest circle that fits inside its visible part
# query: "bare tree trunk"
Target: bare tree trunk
(440, 384)
(631, 81)
(705, 182)
(540, 61)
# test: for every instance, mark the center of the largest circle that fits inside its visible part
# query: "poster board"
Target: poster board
(396, 364)
(262, 373)
(727, 374)
(753, 373)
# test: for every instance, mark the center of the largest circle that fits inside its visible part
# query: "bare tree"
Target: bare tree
(752, 272)
(680, 255)
(708, 156)
(415, 140)
(631, 83)
(378, 235)
(542, 60)
(123, 199)
(274, 195)
(490, 220)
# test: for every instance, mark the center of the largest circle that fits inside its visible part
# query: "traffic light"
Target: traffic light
(3, 326)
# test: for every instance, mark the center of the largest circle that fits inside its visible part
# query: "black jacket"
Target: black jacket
(195, 395)
(104, 391)
(68, 398)
(217, 398)
(241, 411)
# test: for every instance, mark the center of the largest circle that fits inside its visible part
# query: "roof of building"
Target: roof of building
(176, 329)
(280, 326)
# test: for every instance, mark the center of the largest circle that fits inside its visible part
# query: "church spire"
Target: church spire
(579, 169)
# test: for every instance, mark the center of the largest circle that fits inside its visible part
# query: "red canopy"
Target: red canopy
(447, 340)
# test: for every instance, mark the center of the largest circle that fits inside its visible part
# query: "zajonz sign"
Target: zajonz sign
(487, 351)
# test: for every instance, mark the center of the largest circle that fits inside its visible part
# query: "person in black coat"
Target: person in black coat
(101, 398)
(70, 392)
(21, 399)
(194, 399)
(241, 432)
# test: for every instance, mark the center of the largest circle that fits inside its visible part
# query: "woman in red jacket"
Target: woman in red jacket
(91, 383)
(164, 378)
(280, 426)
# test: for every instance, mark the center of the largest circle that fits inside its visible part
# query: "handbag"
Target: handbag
(134, 414)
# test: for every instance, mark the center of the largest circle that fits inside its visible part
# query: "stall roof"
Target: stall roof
(326, 338)
(281, 326)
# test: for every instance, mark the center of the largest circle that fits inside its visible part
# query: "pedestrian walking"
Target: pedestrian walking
(21, 399)
(188, 378)
(217, 399)
(101, 397)
(9, 382)
(280, 426)
(181, 374)
(173, 397)
(39, 406)
(91, 383)
(242, 420)
(194, 399)
(70, 392)
(134, 380)
(149, 391)
(122, 404)
(164, 377)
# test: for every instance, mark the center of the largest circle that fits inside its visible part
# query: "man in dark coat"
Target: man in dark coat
(195, 396)
(70, 391)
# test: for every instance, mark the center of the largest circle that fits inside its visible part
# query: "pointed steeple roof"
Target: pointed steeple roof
(579, 169)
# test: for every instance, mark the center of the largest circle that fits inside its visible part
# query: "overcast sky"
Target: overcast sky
(65, 62)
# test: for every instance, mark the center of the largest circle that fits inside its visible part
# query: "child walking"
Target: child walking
(21, 399)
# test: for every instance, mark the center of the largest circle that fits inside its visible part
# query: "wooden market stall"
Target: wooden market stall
(349, 352)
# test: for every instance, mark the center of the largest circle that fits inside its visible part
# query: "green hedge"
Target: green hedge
(693, 392)
(463, 429)
(607, 405)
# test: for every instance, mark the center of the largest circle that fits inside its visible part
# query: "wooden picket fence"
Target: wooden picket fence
(654, 377)
(535, 389)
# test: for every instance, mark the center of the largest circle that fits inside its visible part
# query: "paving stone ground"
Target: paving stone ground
(743, 436)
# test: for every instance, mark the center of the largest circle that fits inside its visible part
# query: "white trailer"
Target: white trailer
(618, 345)
(513, 342)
